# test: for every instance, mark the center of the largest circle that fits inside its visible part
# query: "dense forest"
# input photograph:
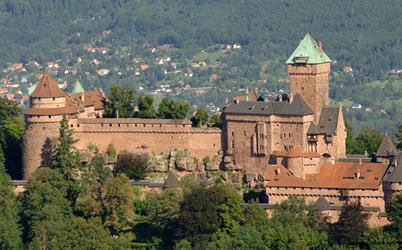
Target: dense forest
(362, 35)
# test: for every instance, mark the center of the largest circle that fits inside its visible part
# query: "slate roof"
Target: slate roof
(296, 108)
(394, 173)
(387, 148)
(308, 52)
(327, 124)
(47, 87)
(171, 181)
(322, 204)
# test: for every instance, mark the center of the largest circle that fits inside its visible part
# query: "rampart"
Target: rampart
(152, 136)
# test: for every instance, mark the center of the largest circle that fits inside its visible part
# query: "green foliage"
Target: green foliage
(10, 230)
(11, 131)
(201, 118)
(118, 203)
(183, 245)
(171, 109)
(369, 140)
(45, 207)
(120, 102)
(398, 135)
(111, 151)
(394, 211)
(377, 239)
(350, 141)
(214, 121)
(351, 226)
(83, 234)
(133, 165)
(65, 158)
(208, 210)
(146, 107)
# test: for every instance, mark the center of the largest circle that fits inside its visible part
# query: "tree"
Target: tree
(11, 132)
(118, 204)
(146, 107)
(162, 209)
(45, 207)
(398, 135)
(65, 157)
(83, 234)
(171, 109)
(94, 175)
(10, 231)
(201, 117)
(208, 210)
(133, 165)
(214, 121)
(351, 226)
(120, 102)
(350, 141)
(368, 140)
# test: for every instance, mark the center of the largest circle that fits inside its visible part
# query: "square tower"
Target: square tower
(308, 71)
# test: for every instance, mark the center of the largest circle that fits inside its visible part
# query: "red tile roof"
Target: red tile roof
(94, 98)
(47, 87)
(341, 175)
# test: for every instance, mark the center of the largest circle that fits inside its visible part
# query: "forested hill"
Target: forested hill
(363, 34)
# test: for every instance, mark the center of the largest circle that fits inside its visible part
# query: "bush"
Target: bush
(133, 165)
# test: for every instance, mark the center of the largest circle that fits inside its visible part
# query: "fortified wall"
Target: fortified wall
(153, 136)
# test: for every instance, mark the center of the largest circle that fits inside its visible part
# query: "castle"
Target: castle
(292, 146)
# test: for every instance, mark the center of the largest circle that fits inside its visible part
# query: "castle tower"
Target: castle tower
(308, 70)
(47, 105)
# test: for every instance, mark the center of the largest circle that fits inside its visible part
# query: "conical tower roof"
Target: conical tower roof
(78, 87)
(387, 148)
(47, 87)
(308, 52)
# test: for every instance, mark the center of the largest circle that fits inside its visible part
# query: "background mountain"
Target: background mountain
(364, 38)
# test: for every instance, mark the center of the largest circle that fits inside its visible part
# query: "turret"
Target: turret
(308, 70)
(48, 104)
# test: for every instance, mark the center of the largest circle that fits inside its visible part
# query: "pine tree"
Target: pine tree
(351, 226)
(65, 157)
(10, 232)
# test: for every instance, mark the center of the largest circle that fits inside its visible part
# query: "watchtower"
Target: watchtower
(308, 70)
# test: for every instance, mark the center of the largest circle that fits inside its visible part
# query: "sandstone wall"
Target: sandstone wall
(37, 143)
(146, 136)
(281, 133)
(311, 82)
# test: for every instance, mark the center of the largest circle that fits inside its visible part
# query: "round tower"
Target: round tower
(295, 161)
(47, 105)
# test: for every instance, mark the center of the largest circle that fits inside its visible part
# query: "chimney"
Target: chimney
(290, 98)
(320, 45)
(357, 174)
(280, 98)
(277, 171)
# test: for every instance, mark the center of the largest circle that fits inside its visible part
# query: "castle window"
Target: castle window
(71, 125)
(135, 125)
(233, 144)
(262, 136)
(50, 116)
(118, 125)
(290, 134)
(78, 125)
(302, 88)
(101, 124)
(110, 124)
(245, 134)
(284, 135)
(160, 125)
(184, 125)
(144, 125)
(232, 133)
(54, 98)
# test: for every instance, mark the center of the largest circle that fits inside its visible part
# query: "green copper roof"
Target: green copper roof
(308, 52)
(78, 87)
(32, 88)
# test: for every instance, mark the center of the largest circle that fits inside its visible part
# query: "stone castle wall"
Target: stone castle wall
(37, 143)
(311, 82)
(280, 133)
(153, 136)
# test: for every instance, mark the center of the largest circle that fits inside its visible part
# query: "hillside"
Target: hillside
(118, 36)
